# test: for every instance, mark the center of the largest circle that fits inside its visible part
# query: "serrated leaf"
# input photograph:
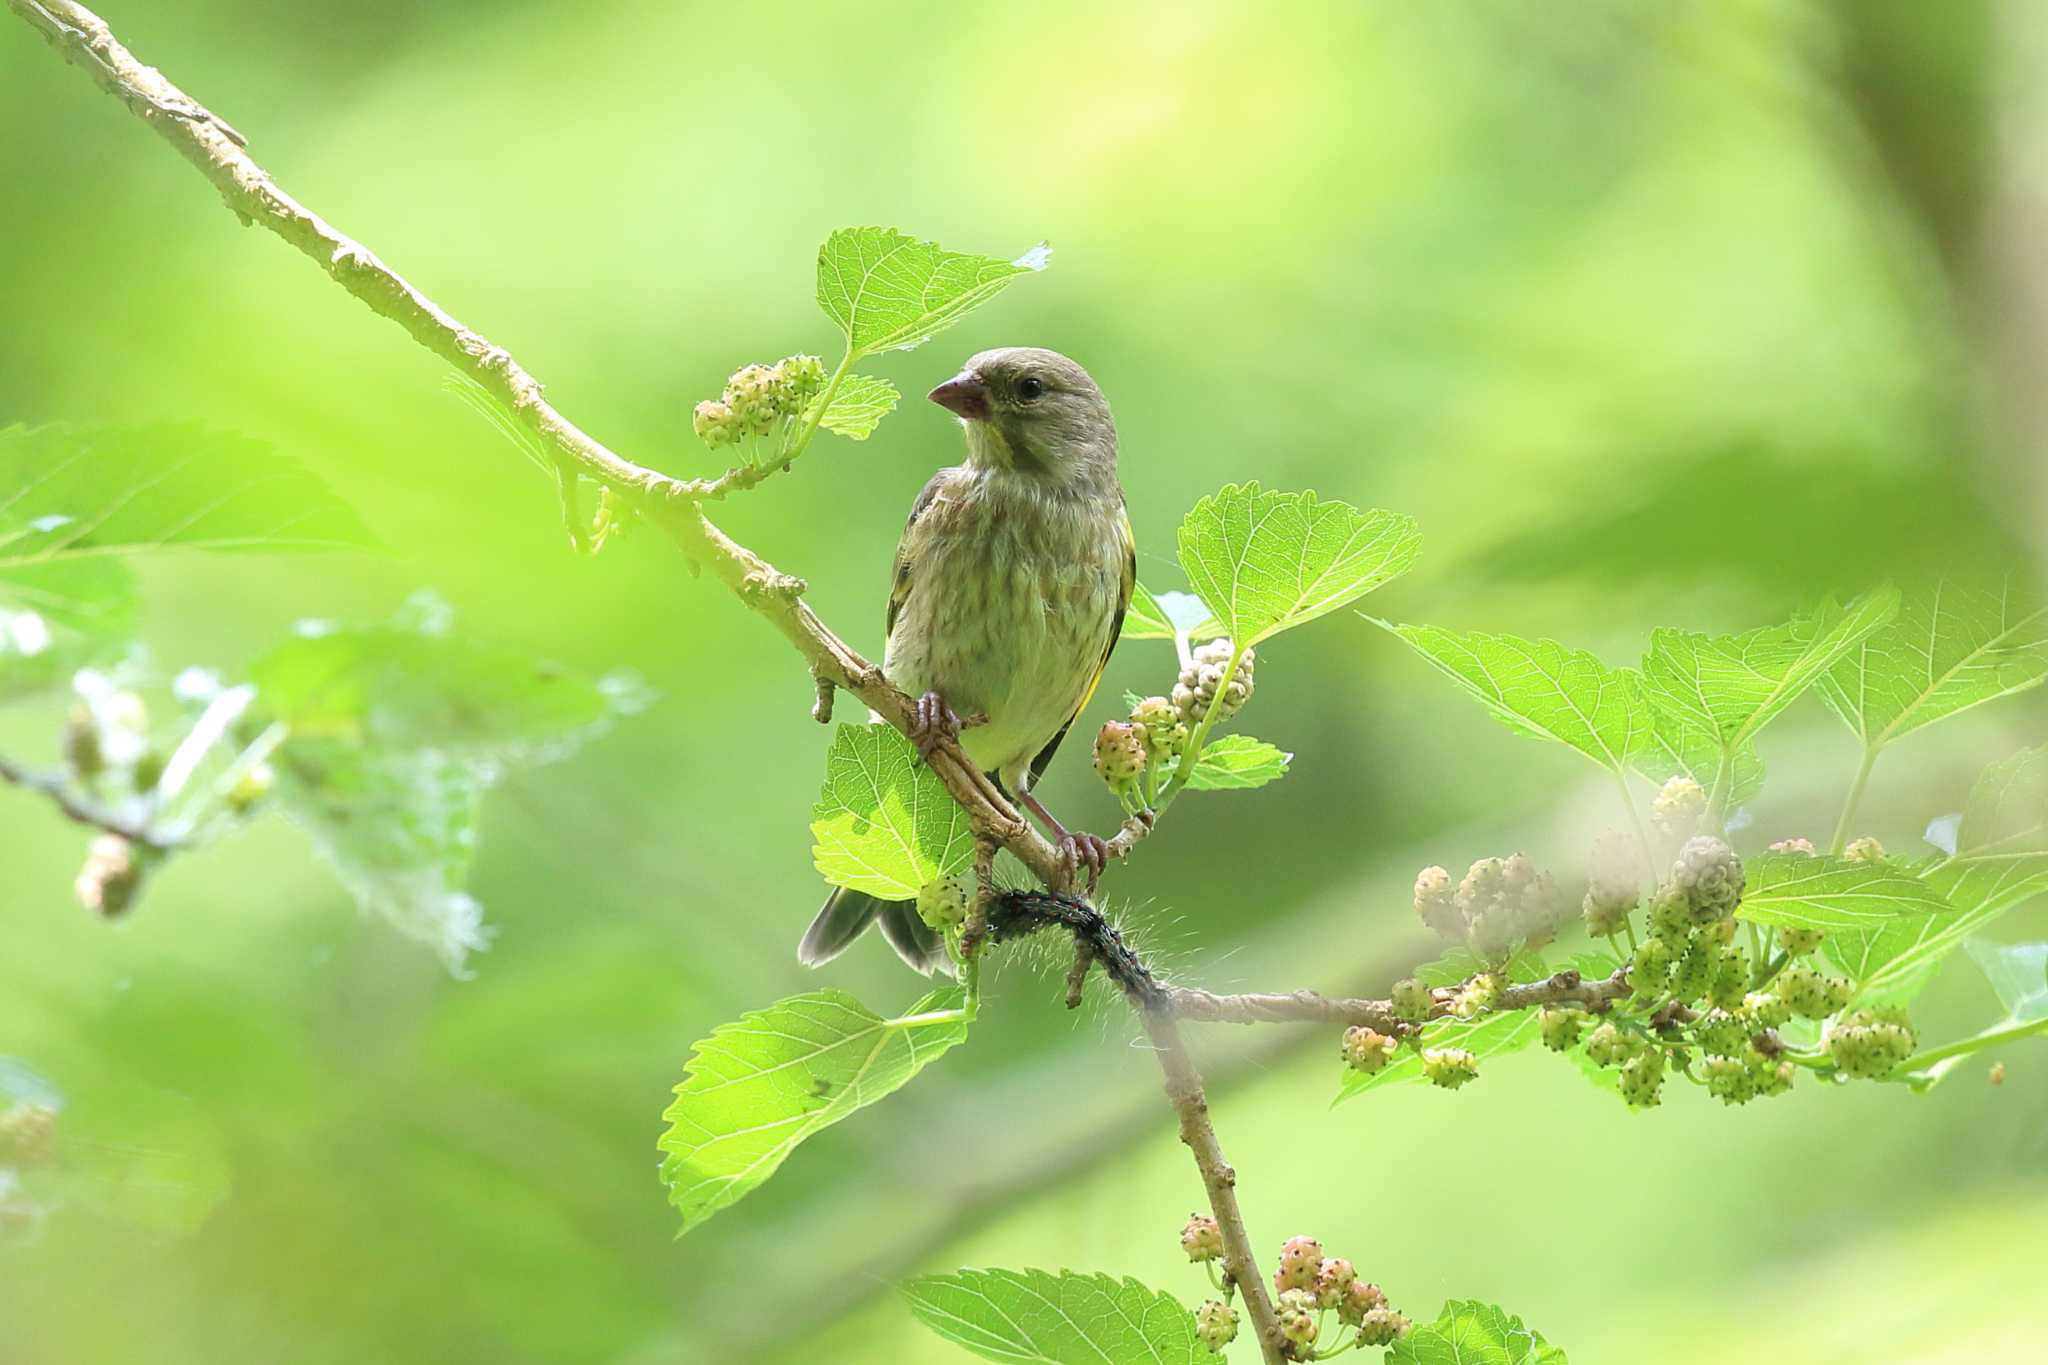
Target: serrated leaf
(1472, 1333)
(1949, 649)
(858, 407)
(1541, 689)
(1167, 616)
(1733, 685)
(890, 292)
(884, 823)
(1672, 747)
(1030, 1317)
(1267, 560)
(1490, 1035)
(1237, 763)
(757, 1088)
(1801, 892)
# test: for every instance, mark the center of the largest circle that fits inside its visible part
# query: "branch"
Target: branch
(78, 808)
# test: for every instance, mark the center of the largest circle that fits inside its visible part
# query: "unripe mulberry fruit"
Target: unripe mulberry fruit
(1803, 846)
(1295, 1311)
(1766, 1008)
(1165, 732)
(1864, 850)
(1367, 1050)
(1334, 1281)
(1611, 1045)
(1774, 1078)
(1120, 755)
(1642, 1079)
(1476, 996)
(1677, 809)
(942, 904)
(1300, 1260)
(1809, 994)
(1710, 875)
(82, 752)
(1730, 1080)
(1731, 976)
(1359, 1299)
(1436, 903)
(28, 1134)
(1560, 1025)
(714, 423)
(1613, 885)
(1216, 1325)
(1870, 1042)
(1201, 1239)
(1202, 680)
(1449, 1067)
(803, 376)
(1382, 1327)
(1649, 967)
(758, 397)
(1695, 972)
(111, 876)
(1799, 942)
(1412, 1000)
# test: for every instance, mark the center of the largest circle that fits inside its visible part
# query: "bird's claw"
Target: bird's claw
(932, 723)
(1089, 851)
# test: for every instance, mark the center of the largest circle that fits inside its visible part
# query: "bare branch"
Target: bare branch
(78, 808)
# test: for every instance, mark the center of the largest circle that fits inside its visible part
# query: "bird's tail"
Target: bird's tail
(846, 916)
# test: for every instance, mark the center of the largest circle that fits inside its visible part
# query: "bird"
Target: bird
(1006, 598)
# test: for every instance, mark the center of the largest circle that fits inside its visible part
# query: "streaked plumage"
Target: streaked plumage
(1009, 587)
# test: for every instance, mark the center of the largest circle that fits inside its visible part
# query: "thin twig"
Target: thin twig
(77, 807)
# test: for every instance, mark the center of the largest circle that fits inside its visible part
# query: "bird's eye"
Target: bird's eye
(1030, 388)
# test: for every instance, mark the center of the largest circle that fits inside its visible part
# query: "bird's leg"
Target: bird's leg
(932, 723)
(1076, 850)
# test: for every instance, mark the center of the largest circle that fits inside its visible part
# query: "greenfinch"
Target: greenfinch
(1008, 592)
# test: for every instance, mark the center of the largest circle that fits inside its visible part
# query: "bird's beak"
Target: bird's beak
(964, 395)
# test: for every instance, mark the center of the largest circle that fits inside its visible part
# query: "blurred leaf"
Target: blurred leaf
(884, 823)
(413, 682)
(2018, 973)
(1733, 685)
(755, 1089)
(1803, 892)
(1168, 616)
(1267, 560)
(1949, 649)
(94, 491)
(859, 406)
(1236, 763)
(1031, 1317)
(2000, 862)
(889, 292)
(1543, 690)
(1490, 1035)
(393, 734)
(1472, 1333)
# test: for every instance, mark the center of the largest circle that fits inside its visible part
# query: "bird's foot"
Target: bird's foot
(932, 723)
(1078, 851)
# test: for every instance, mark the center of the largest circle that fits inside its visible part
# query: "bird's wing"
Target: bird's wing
(899, 574)
(1116, 628)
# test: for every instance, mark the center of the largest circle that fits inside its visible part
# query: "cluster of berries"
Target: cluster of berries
(757, 398)
(1501, 904)
(1308, 1287)
(1159, 728)
(1870, 1043)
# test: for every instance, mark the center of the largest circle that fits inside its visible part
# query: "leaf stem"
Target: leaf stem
(1185, 768)
(817, 412)
(1855, 800)
(1992, 1037)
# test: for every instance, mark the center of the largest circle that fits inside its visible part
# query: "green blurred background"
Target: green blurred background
(1651, 311)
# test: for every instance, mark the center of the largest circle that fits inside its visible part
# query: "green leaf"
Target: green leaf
(1673, 747)
(84, 492)
(756, 1088)
(412, 682)
(2018, 973)
(884, 823)
(1472, 1333)
(889, 292)
(1168, 616)
(1236, 763)
(1490, 1035)
(2007, 813)
(1543, 690)
(1802, 892)
(393, 734)
(1266, 560)
(858, 407)
(1949, 649)
(1030, 1317)
(1733, 685)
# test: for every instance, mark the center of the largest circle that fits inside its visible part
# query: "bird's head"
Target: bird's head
(1034, 411)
